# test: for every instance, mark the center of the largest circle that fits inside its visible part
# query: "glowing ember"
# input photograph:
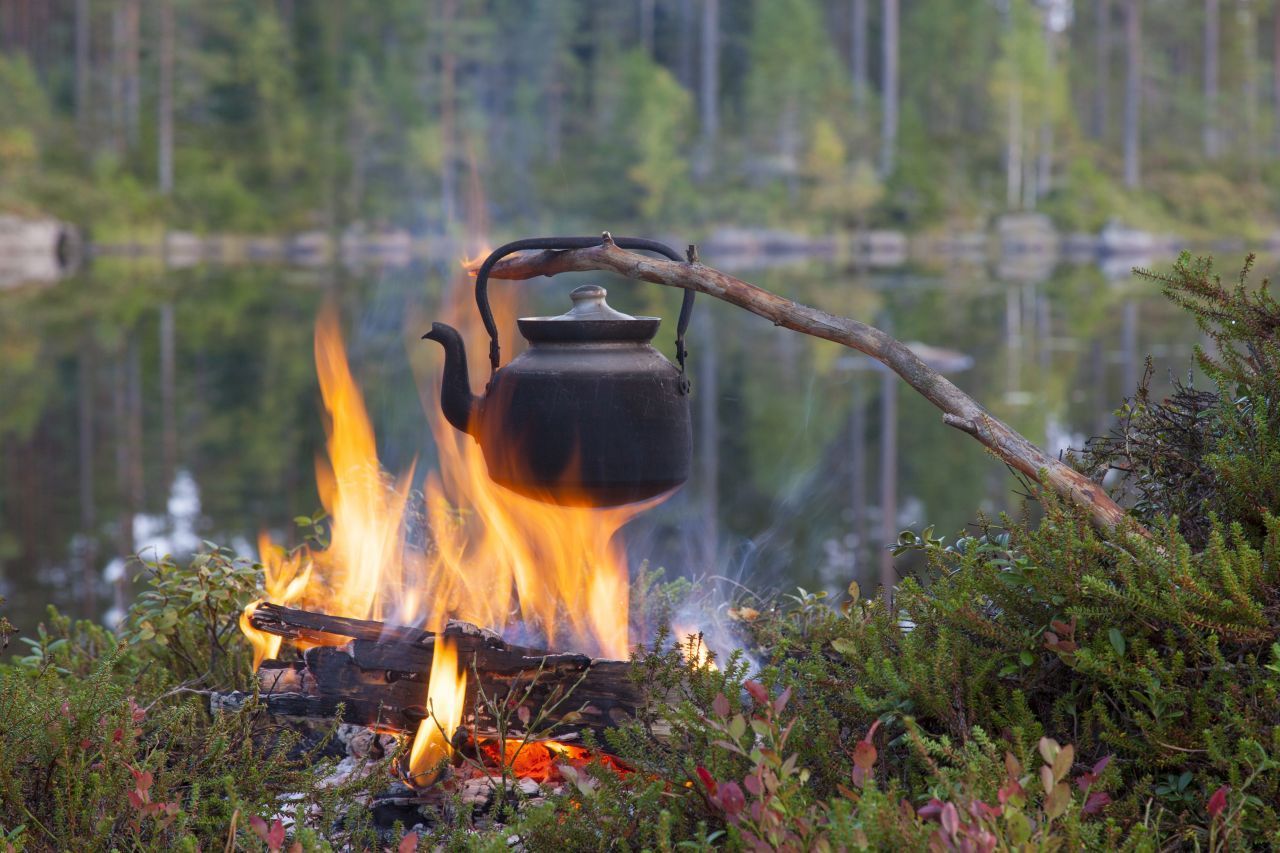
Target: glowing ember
(541, 760)
(446, 695)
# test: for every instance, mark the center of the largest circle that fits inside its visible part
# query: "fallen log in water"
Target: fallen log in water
(378, 677)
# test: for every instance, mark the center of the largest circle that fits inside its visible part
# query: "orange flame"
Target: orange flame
(446, 695)
(693, 648)
(494, 555)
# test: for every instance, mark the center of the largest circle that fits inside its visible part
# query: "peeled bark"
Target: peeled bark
(959, 409)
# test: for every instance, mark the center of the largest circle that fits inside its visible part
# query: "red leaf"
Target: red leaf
(1096, 802)
(950, 819)
(981, 808)
(138, 713)
(932, 810)
(859, 776)
(720, 705)
(259, 826)
(135, 800)
(1101, 765)
(757, 691)
(781, 702)
(85, 743)
(707, 779)
(871, 732)
(408, 844)
(1011, 788)
(117, 735)
(752, 783)
(275, 836)
(1218, 802)
(864, 755)
(731, 798)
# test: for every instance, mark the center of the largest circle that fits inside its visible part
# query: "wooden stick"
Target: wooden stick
(959, 410)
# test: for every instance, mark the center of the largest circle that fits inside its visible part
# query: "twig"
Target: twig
(959, 409)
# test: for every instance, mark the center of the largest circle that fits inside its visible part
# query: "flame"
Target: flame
(494, 556)
(286, 581)
(446, 695)
(693, 647)
(366, 572)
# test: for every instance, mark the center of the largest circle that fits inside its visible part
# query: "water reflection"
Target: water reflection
(151, 409)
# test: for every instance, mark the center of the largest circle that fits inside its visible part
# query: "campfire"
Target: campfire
(409, 638)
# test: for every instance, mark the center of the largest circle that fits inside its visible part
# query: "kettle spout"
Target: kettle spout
(456, 400)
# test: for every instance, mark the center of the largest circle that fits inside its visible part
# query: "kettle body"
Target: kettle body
(589, 415)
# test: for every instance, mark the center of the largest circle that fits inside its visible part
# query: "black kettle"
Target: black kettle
(590, 414)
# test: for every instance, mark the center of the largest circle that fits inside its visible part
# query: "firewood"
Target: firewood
(378, 677)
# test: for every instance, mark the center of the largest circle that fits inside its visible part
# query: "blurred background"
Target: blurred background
(184, 183)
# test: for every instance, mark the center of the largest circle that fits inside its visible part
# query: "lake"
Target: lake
(143, 407)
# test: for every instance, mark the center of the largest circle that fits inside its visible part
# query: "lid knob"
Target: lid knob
(588, 291)
(589, 304)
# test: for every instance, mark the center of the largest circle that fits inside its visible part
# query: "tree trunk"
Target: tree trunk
(888, 483)
(889, 95)
(448, 72)
(1102, 69)
(1013, 150)
(709, 84)
(858, 59)
(1248, 28)
(83, 27)
(130, 80)
(164, 107)
(687, 38)
(1044, 160)
(87, 553)
(168, 392)
(709, 440)
(959, 409)
(647, 24)
(1132, 93)
(1212, 31)
(1275, 73)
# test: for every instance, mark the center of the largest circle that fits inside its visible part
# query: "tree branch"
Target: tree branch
(959, 409)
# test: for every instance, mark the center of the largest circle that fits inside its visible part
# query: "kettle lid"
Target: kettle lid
(590, 319)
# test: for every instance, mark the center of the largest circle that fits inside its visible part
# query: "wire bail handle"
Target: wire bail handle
(559, 243)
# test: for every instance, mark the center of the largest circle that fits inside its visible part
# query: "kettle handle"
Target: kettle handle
(482, 281)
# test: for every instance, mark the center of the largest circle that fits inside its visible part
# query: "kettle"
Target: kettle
(590, 414)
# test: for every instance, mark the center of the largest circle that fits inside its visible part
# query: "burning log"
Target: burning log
(959, 409)
(376, 675)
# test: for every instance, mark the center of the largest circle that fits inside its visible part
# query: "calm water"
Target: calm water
(142, 408)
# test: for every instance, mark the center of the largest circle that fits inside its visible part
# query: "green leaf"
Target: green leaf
(844, 646)
(1117, 641)
(1026, 657)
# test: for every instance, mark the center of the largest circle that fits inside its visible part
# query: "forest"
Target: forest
(814, 115)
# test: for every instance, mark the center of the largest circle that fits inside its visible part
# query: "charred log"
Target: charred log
(378, 677)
